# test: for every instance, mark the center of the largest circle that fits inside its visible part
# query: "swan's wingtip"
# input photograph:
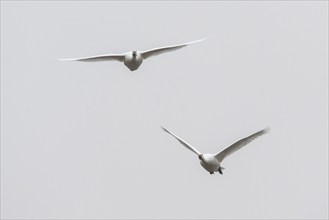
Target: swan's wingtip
(66, 59)
(164, 129)
(197, 41)
(266, 130)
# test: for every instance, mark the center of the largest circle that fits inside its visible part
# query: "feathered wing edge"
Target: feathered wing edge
(98, 58)
(159, 50)
(188, 146)
(239, 144)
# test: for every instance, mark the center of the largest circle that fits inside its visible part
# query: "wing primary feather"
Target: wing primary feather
(188, 146)
(159, 50)
(239, 144)
(106, 57)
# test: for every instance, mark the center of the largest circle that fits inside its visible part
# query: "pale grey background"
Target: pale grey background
(83, 140)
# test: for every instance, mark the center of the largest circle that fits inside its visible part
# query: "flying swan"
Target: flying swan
(211, 162)
(132, 59)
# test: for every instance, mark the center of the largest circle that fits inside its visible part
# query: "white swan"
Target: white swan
(132, 59)
(211, 162)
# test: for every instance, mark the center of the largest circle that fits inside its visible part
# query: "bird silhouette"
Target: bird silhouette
(132, 59)
(211, 162)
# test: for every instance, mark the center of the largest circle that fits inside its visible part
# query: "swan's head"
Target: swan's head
(134, 53)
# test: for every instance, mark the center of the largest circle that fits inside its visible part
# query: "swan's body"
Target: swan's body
(132, 59)
(211, 162)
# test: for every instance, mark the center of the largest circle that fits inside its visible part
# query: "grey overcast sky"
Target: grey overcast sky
(83, 140)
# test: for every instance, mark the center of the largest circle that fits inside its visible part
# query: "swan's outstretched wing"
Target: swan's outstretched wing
(188, 146)
(156, 51)
(105, 57)
(239, 144)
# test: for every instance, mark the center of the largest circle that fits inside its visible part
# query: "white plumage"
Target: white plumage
(132, 59)
(211, 162)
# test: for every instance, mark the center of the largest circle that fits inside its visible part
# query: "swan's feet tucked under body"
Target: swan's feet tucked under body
(211, 173)
(220, 170)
